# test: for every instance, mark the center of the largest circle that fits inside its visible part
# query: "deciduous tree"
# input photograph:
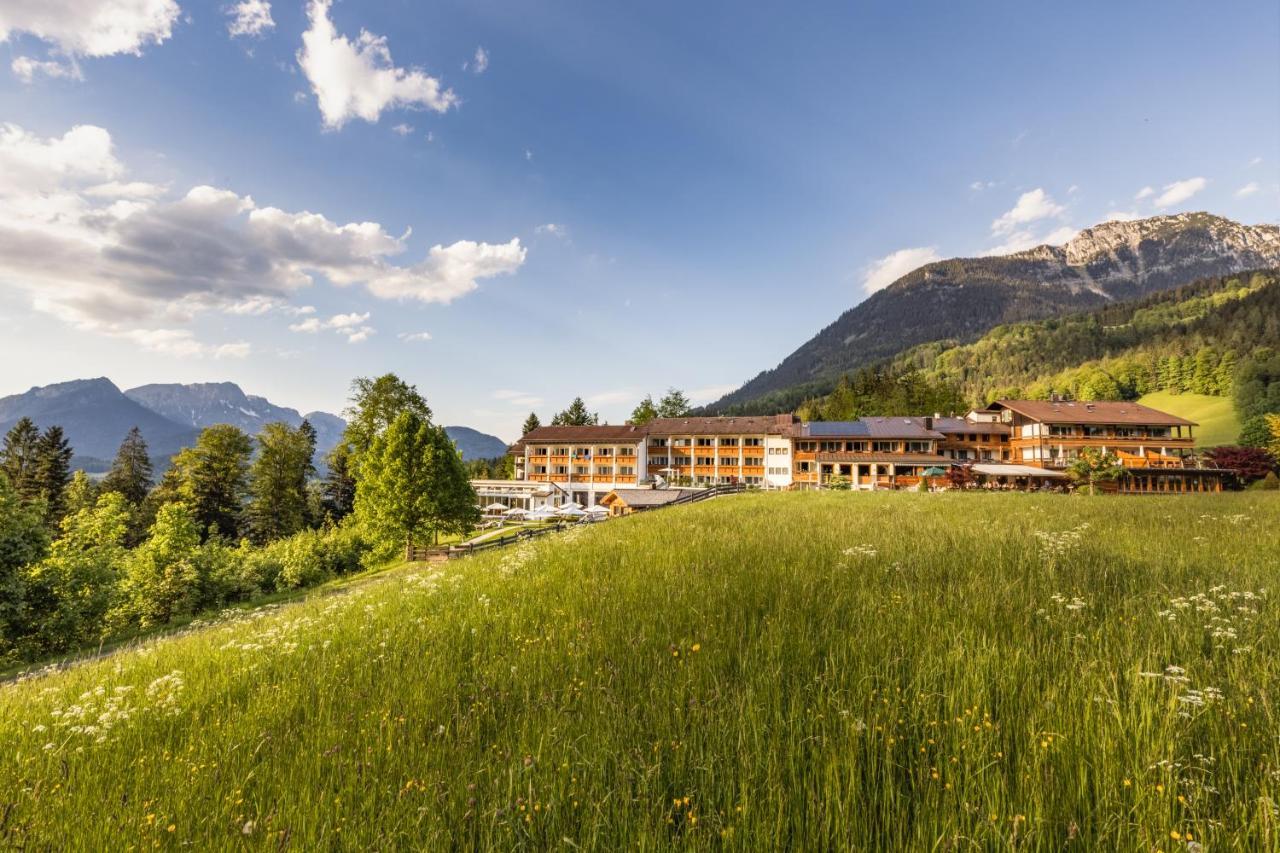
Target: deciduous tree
(1092, 466)
(278, 482)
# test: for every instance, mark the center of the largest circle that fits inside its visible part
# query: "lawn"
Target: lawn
(805, 671)
(1216, 416)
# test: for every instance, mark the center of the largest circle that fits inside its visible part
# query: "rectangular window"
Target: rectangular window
(728, 442)
(681, 442)
(706, 460)
(753, 461)
(626, 471)
(657, 442)
(562, 469)
(604, 470)
(884, 446)
(706, 442)
(658, 460)
(806, 446)
(753, 442)
(604, 451)
(579, 470)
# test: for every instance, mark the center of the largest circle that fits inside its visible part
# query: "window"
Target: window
(753, 461)
(706, 442)
(658, 460)
(806, 446)
(582, 451)
(706, 460)
(753, 442)
(681, 442)
(562, 469)
(579, 470)
(728, 442)
(604, 451)
(560, 451)
(1061, 430)
(918, 447)
(657, 442)
(626, 471)
(884, 446)
(804, 467)
(778, 451)
(604, 470)
(538, 451)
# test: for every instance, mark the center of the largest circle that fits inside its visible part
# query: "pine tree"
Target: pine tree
(53, 473)
(212, 478)
(645, 411)
(674, 404)
(1225, 375)
(131, 472)
(576, 415)
(18, 458)
(530, 423)
(278, 482)
(339, 489)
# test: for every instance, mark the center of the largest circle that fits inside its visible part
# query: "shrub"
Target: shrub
(1269, 483)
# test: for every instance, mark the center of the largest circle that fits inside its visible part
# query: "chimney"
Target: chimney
(786, 419)
(928, 422)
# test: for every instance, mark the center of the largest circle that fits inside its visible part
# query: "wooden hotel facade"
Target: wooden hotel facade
(1031, 440)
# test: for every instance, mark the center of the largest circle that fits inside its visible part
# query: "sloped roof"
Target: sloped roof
(885, 458)
(964, 425)
(726, 425)
(877, 427)
(1091, 412)
(646, 497)
(604, 432)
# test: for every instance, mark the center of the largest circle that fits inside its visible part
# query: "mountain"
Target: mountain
(473, 444)
(1191, 340)
(964, 297)
(203, 404)
(95, 415)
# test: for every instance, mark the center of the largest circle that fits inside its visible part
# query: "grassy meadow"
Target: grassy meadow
(805, 671)
(1218, 422)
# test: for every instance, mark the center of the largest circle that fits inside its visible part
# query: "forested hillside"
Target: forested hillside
(1200, 338)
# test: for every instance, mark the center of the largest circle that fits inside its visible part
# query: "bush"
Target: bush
(1269, 483)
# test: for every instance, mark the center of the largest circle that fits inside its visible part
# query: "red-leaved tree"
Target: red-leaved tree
(1246, 463)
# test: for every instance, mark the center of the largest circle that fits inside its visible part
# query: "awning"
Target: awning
(1018, 471)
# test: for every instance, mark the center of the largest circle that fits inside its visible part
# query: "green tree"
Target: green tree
(530, 423)
(1092, 466)
(70, 591)
(82, 493)
(414, 485)
(393, 498)
(212, 476)
(1273, 445)
(131, 471)
(278, 482)
(162, 576)
(1254, 432)
(674, 404)
(645, 411)
(339, 489)
(19, 458)
(576, 415)
(375, 403)
(53, 473)
(23, 540)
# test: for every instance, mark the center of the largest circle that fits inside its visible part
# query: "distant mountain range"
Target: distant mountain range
(962, 298)
(95, 415)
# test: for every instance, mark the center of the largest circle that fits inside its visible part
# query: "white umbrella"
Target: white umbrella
(495, 507)
(598, 510)
(574, 504)
(570, 512)
(539, 515)
(515, 510)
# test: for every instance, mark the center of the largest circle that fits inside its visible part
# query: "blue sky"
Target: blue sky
(624, 197)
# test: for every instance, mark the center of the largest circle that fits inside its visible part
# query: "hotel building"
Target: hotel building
(1028, 439)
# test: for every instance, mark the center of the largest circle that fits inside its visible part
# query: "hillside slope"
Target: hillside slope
(962, 298)
(1216, 416)
(865, 672)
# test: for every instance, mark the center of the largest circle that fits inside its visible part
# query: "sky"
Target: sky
(513, 204)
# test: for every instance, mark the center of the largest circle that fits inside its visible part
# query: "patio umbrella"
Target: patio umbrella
(570, 512)
(935, 471)
(495, 507)
(515, 510)
(574, 504)
(598, 510)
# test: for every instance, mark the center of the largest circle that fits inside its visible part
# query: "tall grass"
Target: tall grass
(810, 671)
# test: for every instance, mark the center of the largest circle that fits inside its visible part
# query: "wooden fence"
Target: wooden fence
(423, 553)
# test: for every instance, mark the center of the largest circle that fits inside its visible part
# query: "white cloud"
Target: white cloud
(479, 63)
(607, 398)
(1032, 206)
(1256, 161)
(1073, 189)
(1248, 190)
(1024, 239)
(414, 336)
(979, 186)
(890, 268)
(553, 229)
(250, 18)
(358, 79)
(1145, 192)
(25, 69)
(354, 326)
(120, 258)
(1179, 191)
(528, 154)
(85, 28)
(403, 129)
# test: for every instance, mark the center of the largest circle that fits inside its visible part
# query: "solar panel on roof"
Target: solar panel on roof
(837, 428)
